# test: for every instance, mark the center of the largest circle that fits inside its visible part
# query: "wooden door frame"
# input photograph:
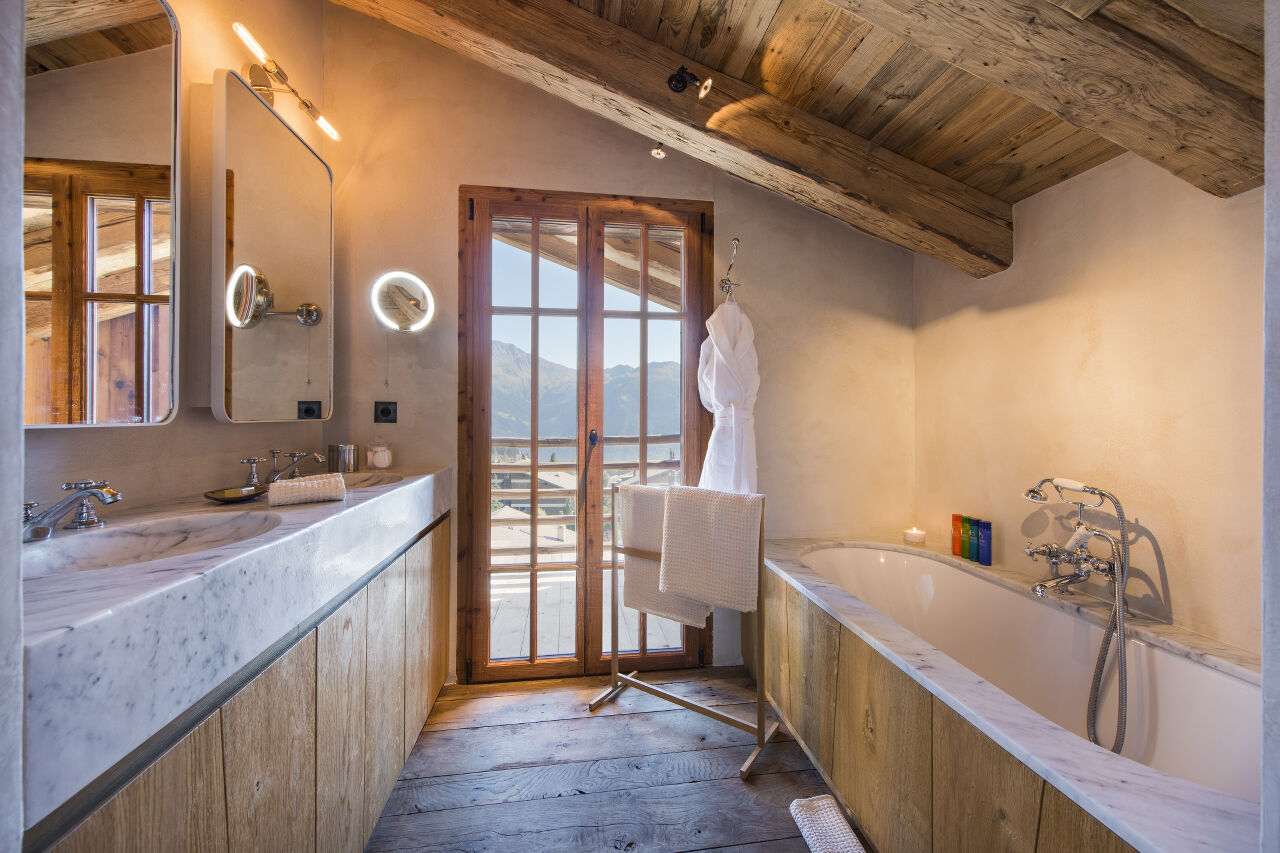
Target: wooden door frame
(476, 204)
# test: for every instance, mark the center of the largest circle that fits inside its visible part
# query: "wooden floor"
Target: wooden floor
(525, 767)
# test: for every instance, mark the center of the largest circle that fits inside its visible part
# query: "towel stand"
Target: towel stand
(761, 727)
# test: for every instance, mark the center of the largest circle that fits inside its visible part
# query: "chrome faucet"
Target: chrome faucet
(40, 525)
(291, 470)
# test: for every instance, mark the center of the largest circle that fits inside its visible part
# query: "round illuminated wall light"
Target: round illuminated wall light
(402, 302)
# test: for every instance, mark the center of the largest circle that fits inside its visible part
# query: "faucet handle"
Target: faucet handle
(84, 484)
(252, 462)
(28, 510)
(1030, 551)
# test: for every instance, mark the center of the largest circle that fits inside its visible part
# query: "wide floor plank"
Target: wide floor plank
(695, 816)
(564, 703)
(542, 782)
(447, 753)
(525, 766)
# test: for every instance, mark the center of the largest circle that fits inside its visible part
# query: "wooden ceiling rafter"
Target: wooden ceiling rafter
(1124, 89)
(620, 75)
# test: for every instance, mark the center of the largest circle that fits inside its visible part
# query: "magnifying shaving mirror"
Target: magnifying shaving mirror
(402, 302)
(249, 299)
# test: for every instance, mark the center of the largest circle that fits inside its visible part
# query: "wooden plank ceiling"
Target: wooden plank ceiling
(831, 62)
(917, 121)
(66, 33)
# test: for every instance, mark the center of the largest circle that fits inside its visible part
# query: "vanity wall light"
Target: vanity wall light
(268, 76)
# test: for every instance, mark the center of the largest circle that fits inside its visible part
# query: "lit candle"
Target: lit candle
(913, 536)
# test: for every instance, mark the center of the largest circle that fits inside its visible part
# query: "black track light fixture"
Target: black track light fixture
(683, 78)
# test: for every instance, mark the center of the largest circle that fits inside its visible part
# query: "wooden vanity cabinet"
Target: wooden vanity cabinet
(304, 756)
(340, 727)
(384, 690)
(269, 752)
(175, 804)
(427, 608)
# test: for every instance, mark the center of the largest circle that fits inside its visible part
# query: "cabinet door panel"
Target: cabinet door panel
(813, 645)
(882, 768)
(269, 750)
(777, 683)
(417, 640)
(1066, 828)
(175, 804)
(384, 690)
(340, 727)
(441, 606)
(984, 799)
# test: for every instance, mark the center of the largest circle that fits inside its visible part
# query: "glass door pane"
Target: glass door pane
(533, 570)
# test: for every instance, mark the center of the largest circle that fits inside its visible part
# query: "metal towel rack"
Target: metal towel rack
(762, 729)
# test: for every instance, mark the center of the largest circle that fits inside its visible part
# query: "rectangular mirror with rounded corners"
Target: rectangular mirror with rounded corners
(99, 213)
(272, 264)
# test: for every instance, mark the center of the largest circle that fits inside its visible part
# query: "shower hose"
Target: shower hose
(1115, 629)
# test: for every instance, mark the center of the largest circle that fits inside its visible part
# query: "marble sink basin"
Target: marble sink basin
(127, 543)
(365, 480)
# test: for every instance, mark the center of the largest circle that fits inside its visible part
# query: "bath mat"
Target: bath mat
(823, 825)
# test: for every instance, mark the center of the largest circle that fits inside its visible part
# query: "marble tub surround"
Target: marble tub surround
(1150, 810)
(114, 655)
(1236, 662)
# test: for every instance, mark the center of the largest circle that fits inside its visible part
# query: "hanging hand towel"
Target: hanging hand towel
(711, 546)
(823, 825)
(728, 380)
(639, 515)
(305, 490)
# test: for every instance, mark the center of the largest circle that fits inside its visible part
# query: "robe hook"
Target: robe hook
(726, 284)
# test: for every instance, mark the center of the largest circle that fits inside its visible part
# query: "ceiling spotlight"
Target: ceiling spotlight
(268, 77)
(657, 152)
(682, 79)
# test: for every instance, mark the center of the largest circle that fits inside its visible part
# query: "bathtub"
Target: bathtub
(1016, 670)
(1184, 718)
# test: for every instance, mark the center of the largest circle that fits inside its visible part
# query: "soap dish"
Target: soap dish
(236, 495)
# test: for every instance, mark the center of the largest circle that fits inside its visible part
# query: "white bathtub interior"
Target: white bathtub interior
(1184, 718)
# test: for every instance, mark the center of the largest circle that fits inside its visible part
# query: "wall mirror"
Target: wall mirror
(273, 264)
(402, 302)
(99, 225)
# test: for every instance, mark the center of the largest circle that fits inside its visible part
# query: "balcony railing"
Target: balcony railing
(532, 524)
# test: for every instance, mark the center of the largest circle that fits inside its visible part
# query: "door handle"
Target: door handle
(593, 438)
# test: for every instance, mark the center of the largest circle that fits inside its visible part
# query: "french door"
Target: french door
(581, 320)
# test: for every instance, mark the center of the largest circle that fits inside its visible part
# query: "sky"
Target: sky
(557, 336)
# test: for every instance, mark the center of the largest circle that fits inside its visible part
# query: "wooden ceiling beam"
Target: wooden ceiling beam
(1133, 94)
(47, 20)
(619, 75)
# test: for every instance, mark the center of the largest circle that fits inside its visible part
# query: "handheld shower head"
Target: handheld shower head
(1034, 494)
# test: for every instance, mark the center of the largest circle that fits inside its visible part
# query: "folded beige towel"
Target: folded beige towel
(305, 490)
(711, 546)
(639, 525)
(823, 825)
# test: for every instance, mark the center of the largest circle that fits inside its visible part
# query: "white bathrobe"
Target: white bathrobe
(728, 380)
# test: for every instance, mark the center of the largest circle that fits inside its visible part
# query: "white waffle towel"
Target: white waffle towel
(711, 546)
(305, 490)
(823, 825)
(639, 518)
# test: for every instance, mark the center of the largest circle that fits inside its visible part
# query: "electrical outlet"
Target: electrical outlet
(384, 412)
(309, 410)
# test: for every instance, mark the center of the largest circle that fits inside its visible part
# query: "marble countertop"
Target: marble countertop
(1152, 811)
(113, 655)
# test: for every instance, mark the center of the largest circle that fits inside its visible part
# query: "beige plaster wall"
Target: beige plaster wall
(831, 307)
(1123, 348)
(194, 452)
